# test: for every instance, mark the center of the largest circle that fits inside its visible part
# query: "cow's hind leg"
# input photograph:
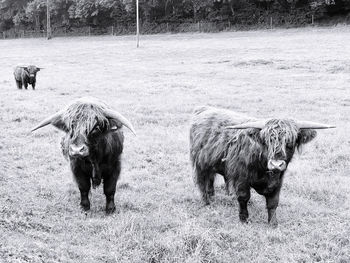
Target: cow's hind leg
(109, 187)
(19, 84)
(96, 174)
(229, 187)
(203, 178)
(243, 196)
(210, 185)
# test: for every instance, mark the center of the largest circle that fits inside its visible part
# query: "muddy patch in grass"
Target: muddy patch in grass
(254, 62)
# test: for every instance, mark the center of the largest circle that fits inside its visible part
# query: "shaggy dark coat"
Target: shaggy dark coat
(103, 163)
(241, 156)
(93, 144)
(25, 76)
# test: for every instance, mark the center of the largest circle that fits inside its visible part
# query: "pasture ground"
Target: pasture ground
(296, 73)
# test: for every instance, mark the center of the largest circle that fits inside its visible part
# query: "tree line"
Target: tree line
(68, 14)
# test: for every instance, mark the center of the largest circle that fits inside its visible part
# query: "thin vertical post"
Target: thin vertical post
(271, 22)
(112, 30)
(137, 24)
(312, 19)
(48, 26)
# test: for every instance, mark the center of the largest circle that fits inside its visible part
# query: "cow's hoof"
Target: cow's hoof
(96, 182)
(243, 218)
(85, 205)
(205, 199)
(110, 208)
(95, 185)
(206, 202)
(211, 193)
(273, 224)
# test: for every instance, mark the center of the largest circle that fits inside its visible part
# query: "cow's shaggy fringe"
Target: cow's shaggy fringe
(278, 134)
(83, 115)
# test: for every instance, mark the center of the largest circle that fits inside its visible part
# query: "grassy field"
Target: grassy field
(302, 74)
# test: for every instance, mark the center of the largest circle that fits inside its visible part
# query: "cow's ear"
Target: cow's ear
(60, 124)
(37, 69)
(305, 136)
(115, 123)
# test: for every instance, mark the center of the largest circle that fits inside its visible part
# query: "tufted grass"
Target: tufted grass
(297, 73)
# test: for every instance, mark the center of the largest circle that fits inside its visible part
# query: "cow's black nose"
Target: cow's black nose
(78, 150)
(280, 165)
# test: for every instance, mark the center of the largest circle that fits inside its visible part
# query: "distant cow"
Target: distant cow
(25, 76)
(248, 152)
(93, 144)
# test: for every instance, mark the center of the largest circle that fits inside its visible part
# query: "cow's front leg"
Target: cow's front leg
(271, 205)
(84, 185)
(25, 85)
(33, 85)
(109, 186)
(243, 196)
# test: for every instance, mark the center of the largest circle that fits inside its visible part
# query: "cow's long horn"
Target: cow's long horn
(48, 120)
(313, 125)
(252, 124)
(116, 115)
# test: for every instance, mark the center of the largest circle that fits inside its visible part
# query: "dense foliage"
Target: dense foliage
(31, 14)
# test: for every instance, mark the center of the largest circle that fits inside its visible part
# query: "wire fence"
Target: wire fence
(167, 27)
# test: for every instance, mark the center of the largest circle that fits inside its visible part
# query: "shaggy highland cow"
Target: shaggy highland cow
(248, 152)
(93, 144)
(25, 76)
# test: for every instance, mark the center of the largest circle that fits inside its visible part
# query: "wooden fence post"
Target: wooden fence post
(137, 24)
(199, 27)
(312, 19)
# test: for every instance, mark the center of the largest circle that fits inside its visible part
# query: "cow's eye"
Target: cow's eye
(290, 146)
(96, 130)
